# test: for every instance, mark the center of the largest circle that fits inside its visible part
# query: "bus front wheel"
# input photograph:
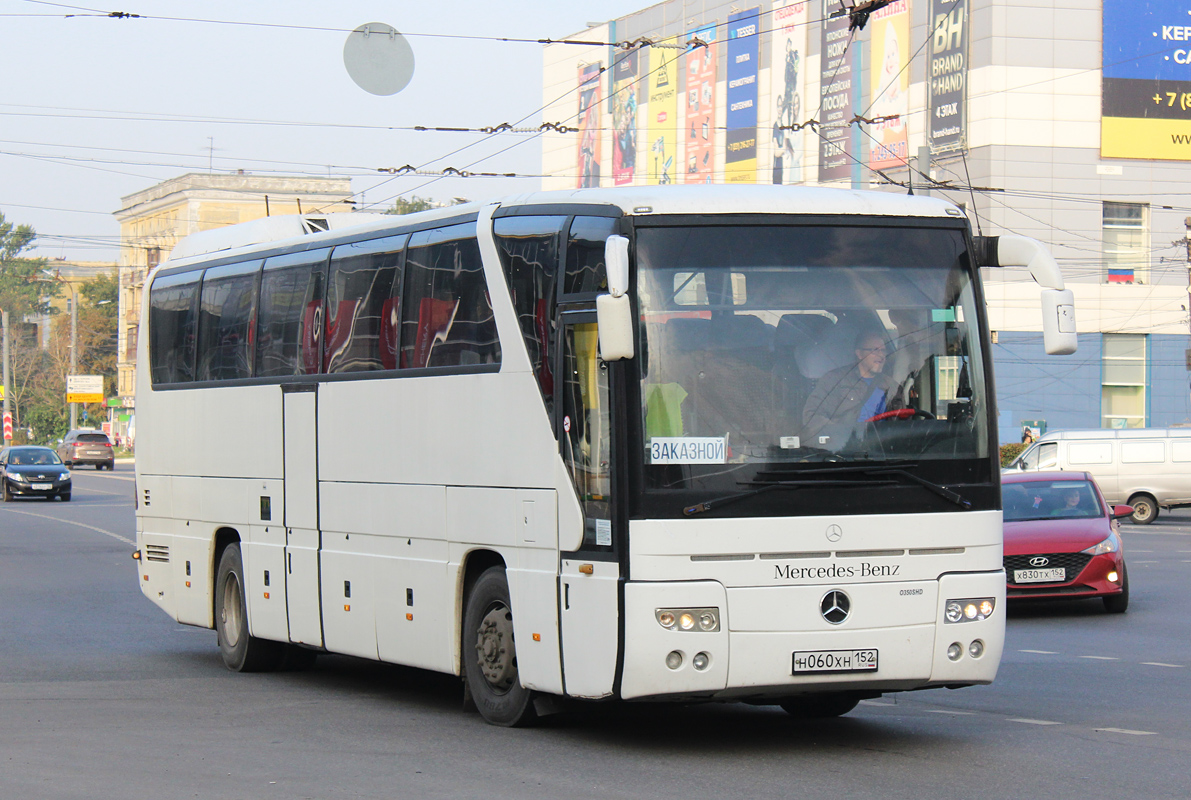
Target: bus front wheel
(241, 651)
(489, 655)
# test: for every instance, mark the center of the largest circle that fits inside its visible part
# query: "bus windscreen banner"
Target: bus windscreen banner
(1146, 88)
(948, 75)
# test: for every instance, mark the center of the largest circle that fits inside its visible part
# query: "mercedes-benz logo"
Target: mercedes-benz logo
(1039, 561)
(835, 606)
(834, 533)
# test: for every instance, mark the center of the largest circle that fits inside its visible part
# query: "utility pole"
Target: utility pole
(74, 348)
(7, 386)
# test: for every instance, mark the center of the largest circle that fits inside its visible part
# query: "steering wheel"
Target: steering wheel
(901, 413)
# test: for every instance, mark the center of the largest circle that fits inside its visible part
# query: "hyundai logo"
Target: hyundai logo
(1039, 561)
(835, 606)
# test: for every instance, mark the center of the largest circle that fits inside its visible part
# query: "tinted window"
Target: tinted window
(363, 299)
(225, 322)
(585, 254)
(446, 317)
(93, 437)
(289, 322)
(1050, 499)
(529, 254)
(173, 325)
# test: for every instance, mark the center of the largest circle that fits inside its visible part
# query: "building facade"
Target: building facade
(154, 220)
(1064, 120)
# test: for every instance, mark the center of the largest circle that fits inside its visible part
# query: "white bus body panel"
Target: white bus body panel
(590, 627)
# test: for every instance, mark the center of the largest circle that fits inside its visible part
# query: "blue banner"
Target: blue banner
(741, 120)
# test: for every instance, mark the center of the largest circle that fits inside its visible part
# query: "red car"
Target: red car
(1062, 540)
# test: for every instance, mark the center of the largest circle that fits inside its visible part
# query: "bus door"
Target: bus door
(302, 541)
(588, 577)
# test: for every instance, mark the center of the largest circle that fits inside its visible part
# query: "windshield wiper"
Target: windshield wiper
(900, 470)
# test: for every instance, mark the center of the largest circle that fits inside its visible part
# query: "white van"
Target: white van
(1147, 468)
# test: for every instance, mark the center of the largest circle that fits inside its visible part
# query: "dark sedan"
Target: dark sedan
(1062, 540)
(27, 471)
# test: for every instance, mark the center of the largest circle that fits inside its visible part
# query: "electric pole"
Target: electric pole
(74, 348)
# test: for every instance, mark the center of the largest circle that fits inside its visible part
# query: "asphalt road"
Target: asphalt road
(103, 696)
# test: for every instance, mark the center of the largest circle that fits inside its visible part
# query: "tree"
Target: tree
(24, 289)
(415, 204)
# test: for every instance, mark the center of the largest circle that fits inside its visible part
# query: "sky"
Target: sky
(93, 107)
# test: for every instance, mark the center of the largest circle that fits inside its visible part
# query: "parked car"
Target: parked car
(1062, 539)
(27, 471)
(1147, 468)
(87, 447)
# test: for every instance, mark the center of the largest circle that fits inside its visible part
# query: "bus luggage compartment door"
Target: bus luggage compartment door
(302, 539)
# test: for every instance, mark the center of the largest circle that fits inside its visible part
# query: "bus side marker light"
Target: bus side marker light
(587, 569)
(409, 617)
(266, 595)
(146, 577)
(537, 637)
(187, 584)
(136, 555)
(346, 607)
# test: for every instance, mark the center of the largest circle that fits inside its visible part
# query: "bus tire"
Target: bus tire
(241, 651)
(489, 655)
(1145, 509)
(820, 706)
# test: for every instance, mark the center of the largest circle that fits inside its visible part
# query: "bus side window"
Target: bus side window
(227, 307)
(287, 322)
(363, 295)
(585, 255)
(529, 254)
(173, 327)
(446, 314)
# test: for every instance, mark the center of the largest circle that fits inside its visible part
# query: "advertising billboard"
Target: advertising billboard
(662, 113)
(624, 118)
(836, 71)
(740, 160)
(1146, 88)
(700, 108)
(948, 75)
(890, 87)
(789, 24)
(589, 126)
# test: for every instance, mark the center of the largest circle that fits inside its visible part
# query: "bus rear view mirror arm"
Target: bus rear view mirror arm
(1058, 302)
(614, 311)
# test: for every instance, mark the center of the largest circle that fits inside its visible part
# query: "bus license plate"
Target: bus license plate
(835, 661)
(1053, 575)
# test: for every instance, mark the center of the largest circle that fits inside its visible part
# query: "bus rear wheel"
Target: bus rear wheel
(820, 706)
(489, 654)
(241, 651)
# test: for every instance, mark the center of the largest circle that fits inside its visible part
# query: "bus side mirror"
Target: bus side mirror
(1058, 302)
(614, 312)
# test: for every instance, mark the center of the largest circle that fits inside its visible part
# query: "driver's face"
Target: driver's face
(871, 356)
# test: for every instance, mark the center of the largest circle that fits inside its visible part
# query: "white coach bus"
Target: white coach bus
(689, 443)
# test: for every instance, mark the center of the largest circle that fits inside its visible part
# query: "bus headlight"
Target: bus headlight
(689, 619)
(969, 610)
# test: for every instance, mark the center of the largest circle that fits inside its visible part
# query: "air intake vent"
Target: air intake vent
(145, 499)
(315, 224)
(157, 552)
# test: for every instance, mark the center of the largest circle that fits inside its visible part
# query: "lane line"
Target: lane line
(1101, 658)
(949, 711)
(1040, 652)
(1125, 730)
(116, 536)
(1160, 664)
(1033, 721)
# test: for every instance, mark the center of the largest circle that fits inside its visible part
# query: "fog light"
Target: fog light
(701, 661)
(1113, 576)
(955, 651)
(674, 659)
(976, 649)
(666, 619)
(686, 622)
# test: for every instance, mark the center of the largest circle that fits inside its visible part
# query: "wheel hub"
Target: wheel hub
(496, 656)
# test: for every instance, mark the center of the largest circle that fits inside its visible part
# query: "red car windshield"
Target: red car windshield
(1050, 500)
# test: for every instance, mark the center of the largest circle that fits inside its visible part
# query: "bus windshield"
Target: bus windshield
(803, 344)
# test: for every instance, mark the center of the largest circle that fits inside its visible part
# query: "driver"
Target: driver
(849, 395)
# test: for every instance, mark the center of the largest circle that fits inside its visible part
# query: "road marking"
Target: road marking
(1160, 664)
(1035, 721)
(1145, 562)
(1125, 730)
(1040, 652)
(1101, 658)
(117, 536)
(875, 703)
(1135, 550)
(950, 711)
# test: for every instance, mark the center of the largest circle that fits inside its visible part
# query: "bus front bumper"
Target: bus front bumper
(775, 642)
